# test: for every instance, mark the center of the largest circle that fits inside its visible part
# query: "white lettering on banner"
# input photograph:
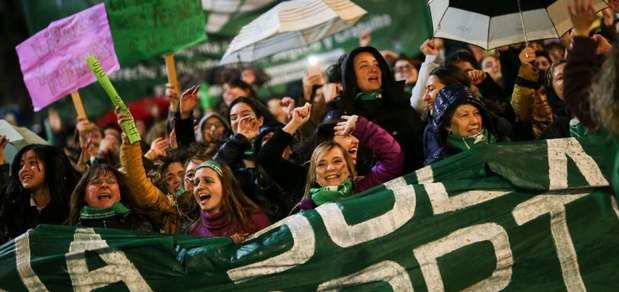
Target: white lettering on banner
(613, 203)
(118, 267)
(428, 254)
(387, 271)
(424, 175)
(558, 151)
(345, 235)
(555, 205)
(22, 262)
(304, 245)
(442, 203)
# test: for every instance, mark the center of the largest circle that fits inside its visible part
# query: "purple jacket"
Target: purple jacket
(389, 156)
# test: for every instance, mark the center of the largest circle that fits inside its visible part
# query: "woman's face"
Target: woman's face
(466, 121)
(367, 71)
(213, 130)
(174, 175)
(348, 142)
(240, 111)
(404, 70)
(208, 190)
(102, 190)
(332, 169)
(557, 80)
(433, 86)
(541, 63)
(31, 171)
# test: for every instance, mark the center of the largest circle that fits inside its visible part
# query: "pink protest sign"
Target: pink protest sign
(53, 61)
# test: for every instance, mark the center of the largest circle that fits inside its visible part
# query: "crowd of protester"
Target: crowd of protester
(371, 117)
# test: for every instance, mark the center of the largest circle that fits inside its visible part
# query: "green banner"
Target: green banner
(524, 216)
(145, 29)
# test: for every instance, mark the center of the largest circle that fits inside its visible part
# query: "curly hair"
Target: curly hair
(604, 94)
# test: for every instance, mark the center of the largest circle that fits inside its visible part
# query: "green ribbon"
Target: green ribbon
(100, 213)
(466, 143)
(212, 164)
(368, 95)
(331, 194)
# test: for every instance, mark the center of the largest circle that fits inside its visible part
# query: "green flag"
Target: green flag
(534, 216)
(144, 29)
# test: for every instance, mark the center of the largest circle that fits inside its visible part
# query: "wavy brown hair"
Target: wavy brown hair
(604, 96)
(236, 205)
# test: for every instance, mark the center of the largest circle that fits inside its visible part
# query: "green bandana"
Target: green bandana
(577, 130)
(100, 213)
(331, 194)
(368, 95)
(212, 164)
(250, 152)
(466, 143)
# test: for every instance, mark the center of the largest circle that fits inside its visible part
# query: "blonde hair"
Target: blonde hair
(604, 96)
(318, 153)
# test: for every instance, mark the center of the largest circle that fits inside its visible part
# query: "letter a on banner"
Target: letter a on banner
(119, 267)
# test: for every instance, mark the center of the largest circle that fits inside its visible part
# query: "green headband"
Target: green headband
(212, 164)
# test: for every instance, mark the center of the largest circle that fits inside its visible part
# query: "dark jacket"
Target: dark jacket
(254, 181)
(435, 134)
(392, 111)
(582, 65)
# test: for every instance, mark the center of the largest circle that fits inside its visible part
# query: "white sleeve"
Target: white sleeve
(427, 66)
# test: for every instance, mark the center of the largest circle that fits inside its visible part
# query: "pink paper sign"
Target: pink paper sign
(53, 61)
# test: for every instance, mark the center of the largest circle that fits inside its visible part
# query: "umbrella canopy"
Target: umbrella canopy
(491, 23)
(290, 25)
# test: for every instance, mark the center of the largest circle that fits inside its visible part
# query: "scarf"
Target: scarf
(331, 194)
(101, 213)
(368, 95)
(466, 143)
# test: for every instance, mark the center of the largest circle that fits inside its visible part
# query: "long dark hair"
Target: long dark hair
(60, 177)
(77, 200)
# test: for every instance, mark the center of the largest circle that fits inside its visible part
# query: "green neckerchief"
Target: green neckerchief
(331, 194)
(100, 213)
(466, 143)
(368, 95)
(250, 152)
(577, 130)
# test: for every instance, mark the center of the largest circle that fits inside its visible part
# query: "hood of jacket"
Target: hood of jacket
(200, 130)
(391, 91)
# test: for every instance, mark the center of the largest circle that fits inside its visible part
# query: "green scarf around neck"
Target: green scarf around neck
(368, 95)
(466, 143)
(100, 213)
(331, 194)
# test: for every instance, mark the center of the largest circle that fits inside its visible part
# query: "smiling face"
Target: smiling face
(367, 71)
(350, 143)
(208, 190)
(31, 171)
(466, 121)
(102, 190)
(557, 80)
(331, 169)
(239, 111)
(190, 173)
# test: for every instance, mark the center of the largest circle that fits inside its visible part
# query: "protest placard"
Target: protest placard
(145, 29)
(53, 60)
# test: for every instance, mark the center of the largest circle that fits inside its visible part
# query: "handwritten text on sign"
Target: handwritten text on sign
(53, 60)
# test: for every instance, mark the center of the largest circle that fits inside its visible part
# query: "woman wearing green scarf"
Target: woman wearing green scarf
(330, 176)
(101, 199)
(459, 123)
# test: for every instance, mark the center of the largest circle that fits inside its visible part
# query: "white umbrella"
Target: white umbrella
(290, 25)
(495, 23)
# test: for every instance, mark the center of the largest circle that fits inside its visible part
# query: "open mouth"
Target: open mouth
(204, 197)
(373, 79)
(104, 196)
(352, 152)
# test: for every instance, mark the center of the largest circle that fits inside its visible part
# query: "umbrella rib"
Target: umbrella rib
(524, 29)
(440, 19)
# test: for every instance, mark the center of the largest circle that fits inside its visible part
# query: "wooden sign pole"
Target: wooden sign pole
(170, 67)
(79, 106)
